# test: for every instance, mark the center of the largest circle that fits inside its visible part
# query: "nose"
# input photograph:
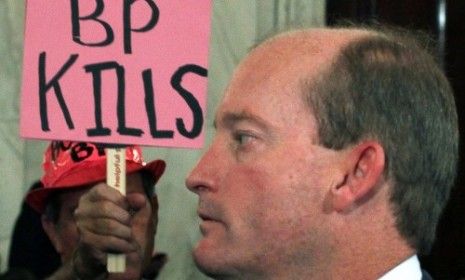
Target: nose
(202, 177)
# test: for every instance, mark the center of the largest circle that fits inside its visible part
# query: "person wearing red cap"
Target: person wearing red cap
(85, 219)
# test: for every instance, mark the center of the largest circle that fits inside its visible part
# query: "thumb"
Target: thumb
(136, 201)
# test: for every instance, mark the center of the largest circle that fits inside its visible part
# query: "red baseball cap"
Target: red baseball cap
(71, 165)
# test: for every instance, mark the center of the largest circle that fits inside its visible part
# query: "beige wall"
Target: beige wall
(236, 26)
(11, 148)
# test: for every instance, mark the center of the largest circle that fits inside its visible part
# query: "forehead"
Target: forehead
(269, 83)
(277, 73)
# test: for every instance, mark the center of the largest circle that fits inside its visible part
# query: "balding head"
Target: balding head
(333, 143)
(292, 59)
(308, 51)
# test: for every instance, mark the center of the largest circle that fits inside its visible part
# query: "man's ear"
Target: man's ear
(365, 166)
(52, 233)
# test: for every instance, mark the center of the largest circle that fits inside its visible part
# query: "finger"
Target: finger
(107, 243)
(101, 192)
(103, 209)
(136, 201)
(106, 227)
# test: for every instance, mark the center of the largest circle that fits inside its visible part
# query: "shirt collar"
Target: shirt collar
(408, 269)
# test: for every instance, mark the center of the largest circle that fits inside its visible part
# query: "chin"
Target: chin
(204, 255)
(210, 267)
(212, 260)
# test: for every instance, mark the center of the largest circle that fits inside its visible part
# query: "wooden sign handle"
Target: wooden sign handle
(116, 178)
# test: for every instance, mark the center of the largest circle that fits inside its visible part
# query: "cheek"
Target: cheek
(69, 238)
(144, 226)
(253, 195)
(244, 185)
(273, 199)
(144, 220)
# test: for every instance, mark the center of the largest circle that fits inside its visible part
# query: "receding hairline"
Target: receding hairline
(340, 35)
(317, 47)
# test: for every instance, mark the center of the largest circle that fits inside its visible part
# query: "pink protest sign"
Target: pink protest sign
(116, 71)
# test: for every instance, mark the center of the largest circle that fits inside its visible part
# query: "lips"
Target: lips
(206, 217)
(211, 215)
(207, 223)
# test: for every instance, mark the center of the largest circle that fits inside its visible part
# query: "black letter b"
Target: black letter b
(76, 18)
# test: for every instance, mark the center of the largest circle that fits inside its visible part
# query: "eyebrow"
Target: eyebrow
(229, 119)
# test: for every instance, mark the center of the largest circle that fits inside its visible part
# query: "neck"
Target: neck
(370, 253)
(363, 266)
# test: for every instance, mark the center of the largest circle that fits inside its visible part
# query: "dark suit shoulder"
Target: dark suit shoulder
(425, 275)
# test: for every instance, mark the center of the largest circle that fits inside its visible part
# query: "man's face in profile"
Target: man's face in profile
(261, 183)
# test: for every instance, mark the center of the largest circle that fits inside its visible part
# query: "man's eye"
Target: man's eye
(243, 138)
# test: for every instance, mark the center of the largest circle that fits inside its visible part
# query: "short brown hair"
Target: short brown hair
(386, 86)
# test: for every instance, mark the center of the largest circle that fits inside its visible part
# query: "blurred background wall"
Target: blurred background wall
(236, 26)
